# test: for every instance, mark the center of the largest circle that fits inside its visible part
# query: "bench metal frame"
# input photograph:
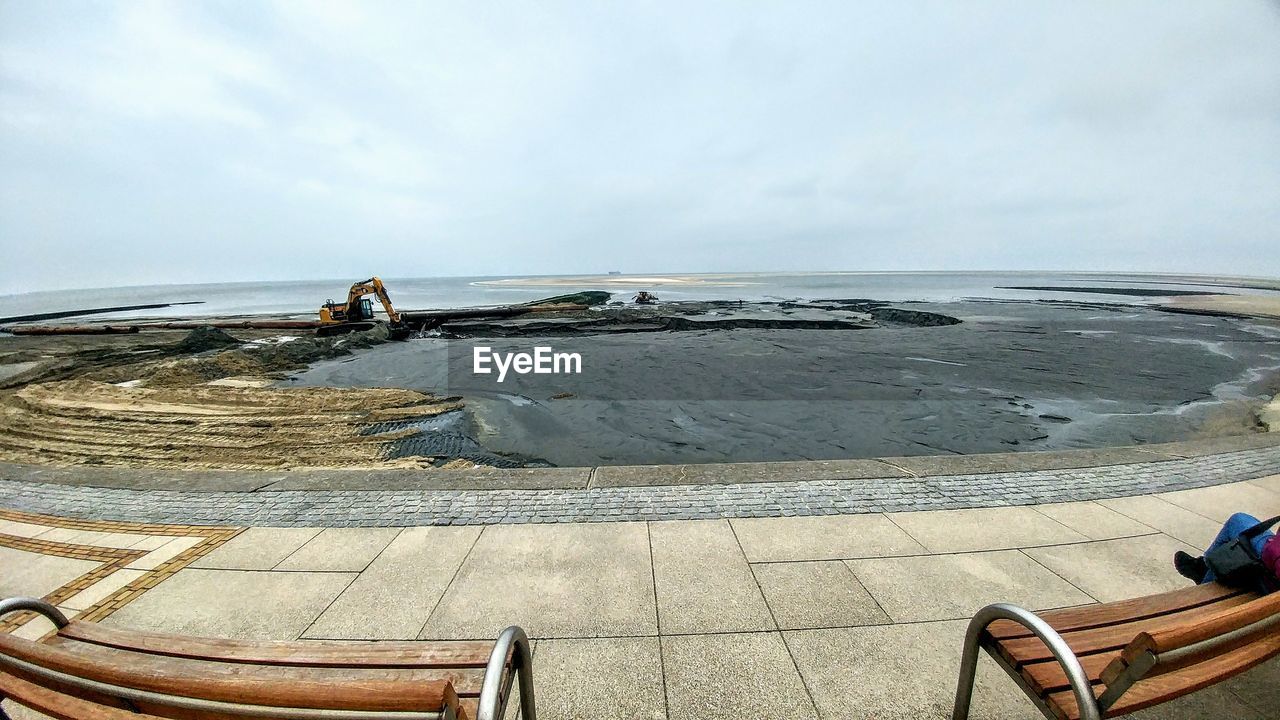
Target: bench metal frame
(1076, 676)
(494, 691)
(1090, 708)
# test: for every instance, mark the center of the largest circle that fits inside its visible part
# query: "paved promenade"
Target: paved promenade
(639, 493)
(828, 589)
(829, 617)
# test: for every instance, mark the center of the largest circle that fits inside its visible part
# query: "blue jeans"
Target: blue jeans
(1235, 525)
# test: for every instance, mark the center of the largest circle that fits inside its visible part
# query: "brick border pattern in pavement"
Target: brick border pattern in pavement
(404, 508)
(111, 559)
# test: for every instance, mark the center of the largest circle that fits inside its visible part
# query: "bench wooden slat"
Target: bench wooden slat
(1110, 637)
(290, 687)
(1161, 688)
(1047, 676)
(1163, 639)
(319, 653)
(60, 706)
(466, 680)
(1085, 617)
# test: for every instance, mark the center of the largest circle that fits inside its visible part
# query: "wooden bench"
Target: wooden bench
(87, 671)
(1113, 659)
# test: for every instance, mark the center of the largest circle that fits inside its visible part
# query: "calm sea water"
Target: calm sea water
(304, 298)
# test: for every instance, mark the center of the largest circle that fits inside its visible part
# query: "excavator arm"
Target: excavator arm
(374, 286)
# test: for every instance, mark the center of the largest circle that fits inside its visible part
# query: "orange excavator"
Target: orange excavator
(357, 312)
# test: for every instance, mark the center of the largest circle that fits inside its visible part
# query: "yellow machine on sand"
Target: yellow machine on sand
(357, 312)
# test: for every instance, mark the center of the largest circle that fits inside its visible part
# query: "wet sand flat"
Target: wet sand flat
(1252, 305)
(1010, 376)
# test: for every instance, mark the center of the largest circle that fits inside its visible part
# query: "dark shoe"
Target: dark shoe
(1191, 568)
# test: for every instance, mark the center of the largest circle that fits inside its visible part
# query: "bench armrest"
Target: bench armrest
(1188, 643)
(18, 604)
(1254, 615)
(1075, 673)
(511, 647)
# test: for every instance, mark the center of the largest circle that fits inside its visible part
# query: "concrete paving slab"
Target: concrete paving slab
(73, 536)
(340, 550)
(122, 541)
(899, 672)
(66, 535)
(1094, 521)
(600, 679)
(942, 587)
(733, 473)
(1212, 702)
(257, 549)
(1219, 502)
(703, 581)
(589, 580)
(1259, 687)
(21, 529)
(1117, 569)
(34, 629)
(393, 597)
(36, 575)
(927, 465)
(101, 589)
(250, 604)
(822, 537)
(816, 594)
(730, 677)
(1172, 520)
(151, 542)
(984, 529)
(1270, 482)
(483, 478)
(171, 548)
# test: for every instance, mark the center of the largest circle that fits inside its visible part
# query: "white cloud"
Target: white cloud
(227, 141)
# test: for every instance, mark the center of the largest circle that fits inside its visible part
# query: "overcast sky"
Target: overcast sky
(182, 142)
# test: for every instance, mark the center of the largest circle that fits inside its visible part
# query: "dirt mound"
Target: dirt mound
(272, 359)
(205, 339)
(87, 422)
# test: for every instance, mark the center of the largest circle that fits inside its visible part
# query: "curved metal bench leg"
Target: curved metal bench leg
(1076, 676)
(968, 671)
(495, 690)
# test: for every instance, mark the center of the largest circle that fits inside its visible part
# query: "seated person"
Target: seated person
(1264, 544)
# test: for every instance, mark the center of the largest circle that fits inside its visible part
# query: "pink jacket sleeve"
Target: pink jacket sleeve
(1271, 555)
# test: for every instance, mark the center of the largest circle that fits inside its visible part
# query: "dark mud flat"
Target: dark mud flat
(1009, 376)
(848, 314)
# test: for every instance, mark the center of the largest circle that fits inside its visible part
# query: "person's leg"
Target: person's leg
(1231, 529)
(1234, 525)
